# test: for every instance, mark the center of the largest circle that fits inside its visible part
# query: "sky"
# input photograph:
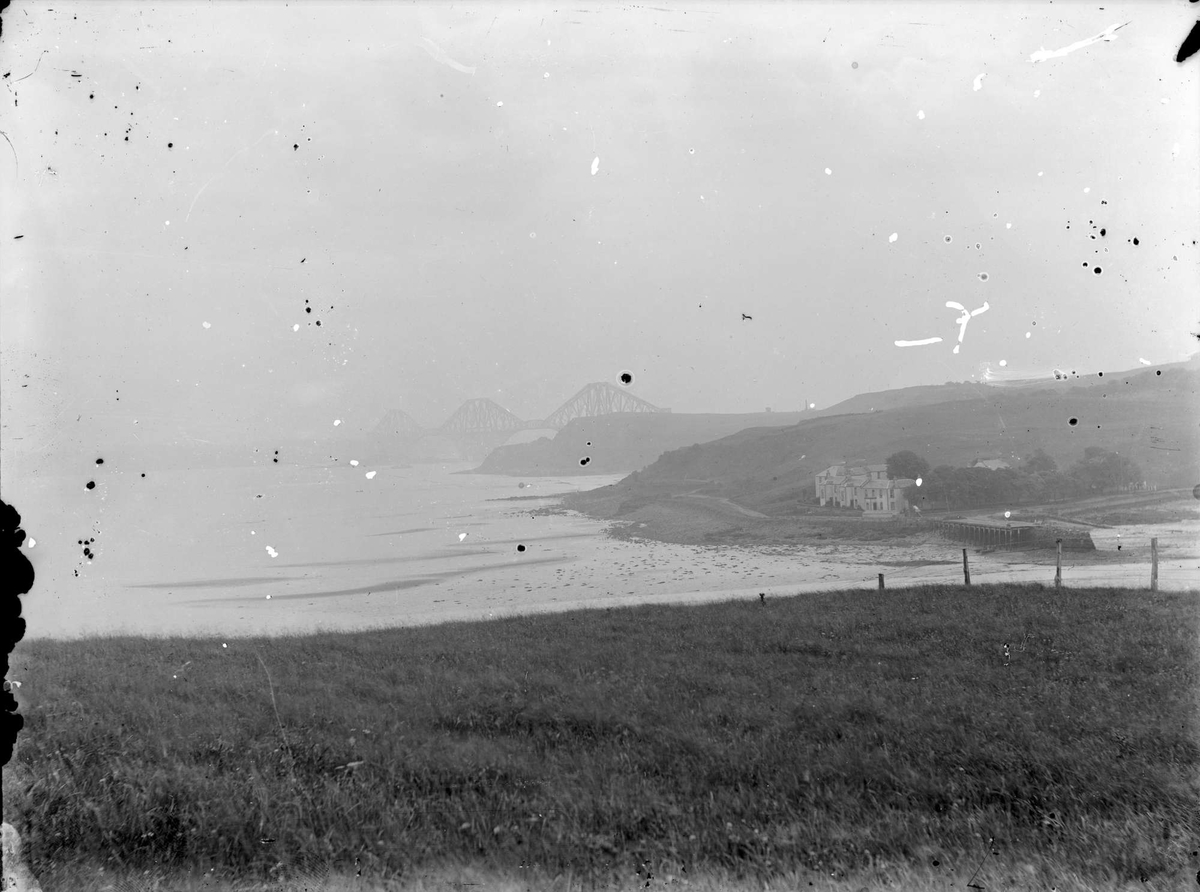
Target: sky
(231, 222)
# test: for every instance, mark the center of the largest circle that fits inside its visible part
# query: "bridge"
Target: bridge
(480, 425)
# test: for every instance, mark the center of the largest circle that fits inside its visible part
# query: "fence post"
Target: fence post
(966, 569)
(881, 582)
(1058, 565)
(1153, 564)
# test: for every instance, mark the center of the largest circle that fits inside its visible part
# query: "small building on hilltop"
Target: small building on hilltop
(992, 464)
(865, 487)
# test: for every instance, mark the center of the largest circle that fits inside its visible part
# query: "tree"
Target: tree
(1101, 470)
(906, 464)
(1040, 463)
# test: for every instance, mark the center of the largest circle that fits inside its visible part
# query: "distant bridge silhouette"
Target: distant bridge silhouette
(483, 424)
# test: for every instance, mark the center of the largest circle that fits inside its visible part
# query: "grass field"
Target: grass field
(846, 740)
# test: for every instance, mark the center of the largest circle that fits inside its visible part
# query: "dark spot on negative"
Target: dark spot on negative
(170, 145)
(99, 461)
(520, 548)
(1096, 270)
(584, 460)
(91, 484)
(1073, 421)
(626, 377)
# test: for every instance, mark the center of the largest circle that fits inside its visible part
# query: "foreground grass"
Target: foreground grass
(839, 736)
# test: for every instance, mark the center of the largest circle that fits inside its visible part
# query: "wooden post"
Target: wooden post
(1058, 565)
(966, 569)
(1153, 565)
(881, 582)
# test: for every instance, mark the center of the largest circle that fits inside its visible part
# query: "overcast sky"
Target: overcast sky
(513, 201)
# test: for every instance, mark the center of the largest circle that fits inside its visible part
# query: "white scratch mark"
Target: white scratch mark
(1144, 361)
(595, 165)
(1040, 172)
(32, 542)
(1037, 93)
(273, 553)
(439, 55)
(828, 171)
(920, 116)
(354, 463)
(336, 422)
(500, 104)
(461, 536)
(207, 324)
(979, 81)
(1028, 334)
(371, 475)
(222, 170)
(1003, 363)
(296, 327)
(893, 237)
(1109, 33)
(920, 343)
(1008, 226)
(1087, 189)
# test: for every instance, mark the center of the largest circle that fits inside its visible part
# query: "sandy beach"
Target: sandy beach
(294, 550)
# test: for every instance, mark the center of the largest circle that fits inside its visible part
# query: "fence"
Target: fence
(1058, 574)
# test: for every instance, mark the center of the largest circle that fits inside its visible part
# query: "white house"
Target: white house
(864, 487)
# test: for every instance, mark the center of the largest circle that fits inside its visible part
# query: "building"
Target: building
(992, 464)
(865, 487)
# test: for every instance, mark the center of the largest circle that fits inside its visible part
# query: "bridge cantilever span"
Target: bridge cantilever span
(481, 415)
(600, 398)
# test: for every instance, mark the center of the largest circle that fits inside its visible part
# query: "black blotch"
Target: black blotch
(318, 323)
(626, 377)
(302, 259)
(91, 484)
(1187, 49)
(1096, 270)
(583, 461)
(520, 548)
(91, 95)
(275, 459)
(143, 475)
(1073, 421)
(1135, 241)
(1085, 263)
(18, 236)
(99, 461)
(1103, 232)
(1158, 371)
(308, 309)
(170, 145)
(589, 442)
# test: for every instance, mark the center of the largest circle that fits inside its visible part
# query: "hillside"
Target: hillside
(1149, 415)
(614, 444)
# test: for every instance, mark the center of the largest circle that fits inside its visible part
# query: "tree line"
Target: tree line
(1036, 479)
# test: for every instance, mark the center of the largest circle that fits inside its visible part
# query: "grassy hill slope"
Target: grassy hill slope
(1150, 415)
